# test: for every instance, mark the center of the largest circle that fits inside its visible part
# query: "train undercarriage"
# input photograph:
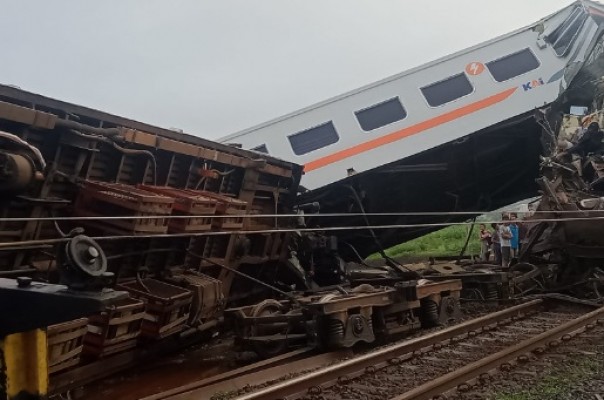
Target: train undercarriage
(130, 241)
(346, 316)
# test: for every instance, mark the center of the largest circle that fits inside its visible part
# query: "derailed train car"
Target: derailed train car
(453, 135)
(92, 200)
(181, 228)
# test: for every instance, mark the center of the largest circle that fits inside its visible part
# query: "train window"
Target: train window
(513, 65)
(261, 149)
(313, 138)
(447, 90)
(381, 114)
(565, 35)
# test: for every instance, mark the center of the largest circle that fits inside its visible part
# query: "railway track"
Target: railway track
(454, 359)
(153, 384)
(295, 362)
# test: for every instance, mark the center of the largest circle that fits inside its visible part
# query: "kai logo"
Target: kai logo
(533, 84)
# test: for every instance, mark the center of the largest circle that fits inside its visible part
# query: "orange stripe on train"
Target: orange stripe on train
(408, 131)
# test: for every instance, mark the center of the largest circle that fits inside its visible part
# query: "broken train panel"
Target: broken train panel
(568, 245)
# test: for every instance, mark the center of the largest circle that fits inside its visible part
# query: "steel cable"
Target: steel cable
(285, 230)
(323, 215)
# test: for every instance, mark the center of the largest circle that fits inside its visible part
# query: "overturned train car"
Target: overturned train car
(92, 201)
(183, 228)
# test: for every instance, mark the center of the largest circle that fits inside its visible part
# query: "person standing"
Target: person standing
(505, 237)
(522, 235)
(496, 243)
(515, 239)
(485, 242)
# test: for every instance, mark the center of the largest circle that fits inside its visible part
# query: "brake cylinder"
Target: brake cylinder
(17, 172)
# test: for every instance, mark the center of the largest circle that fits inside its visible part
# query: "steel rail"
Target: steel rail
(248, 376)
(297, 387)
(471, 371)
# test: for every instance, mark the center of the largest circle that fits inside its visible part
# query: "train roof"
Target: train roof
(599, 7)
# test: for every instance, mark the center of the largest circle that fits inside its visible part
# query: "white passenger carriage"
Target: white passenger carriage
(433, 104)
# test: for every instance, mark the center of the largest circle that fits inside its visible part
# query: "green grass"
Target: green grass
(445, 242)
(558, 384)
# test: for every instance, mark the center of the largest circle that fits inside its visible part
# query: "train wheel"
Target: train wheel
(268, 349)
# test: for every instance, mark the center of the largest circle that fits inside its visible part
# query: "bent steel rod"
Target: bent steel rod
(246, 276)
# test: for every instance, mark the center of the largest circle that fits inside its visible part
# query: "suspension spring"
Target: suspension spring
(430, 312)
(335, 330)
(491, 292)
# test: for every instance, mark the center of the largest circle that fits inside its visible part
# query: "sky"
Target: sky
(214, 67)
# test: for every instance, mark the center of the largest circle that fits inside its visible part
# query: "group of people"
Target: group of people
(504, 241)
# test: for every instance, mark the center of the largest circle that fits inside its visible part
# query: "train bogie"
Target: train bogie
(344, 317)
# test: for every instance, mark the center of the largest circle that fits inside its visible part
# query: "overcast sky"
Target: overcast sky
(215, 67)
